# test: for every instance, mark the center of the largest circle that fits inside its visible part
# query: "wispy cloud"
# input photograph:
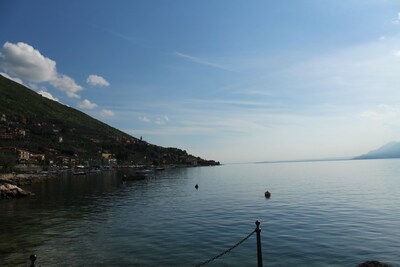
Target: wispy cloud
(384, 113)
(201, 61)
(161, 120)
(157, 120)
(254, 92)
(144, 119)
(396, 20)
(130, 39)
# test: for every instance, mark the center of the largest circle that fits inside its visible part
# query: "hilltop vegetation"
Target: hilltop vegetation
(64, 135)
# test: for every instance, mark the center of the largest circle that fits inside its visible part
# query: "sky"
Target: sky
(234, 81)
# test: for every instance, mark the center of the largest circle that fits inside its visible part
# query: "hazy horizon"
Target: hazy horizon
(232, 81)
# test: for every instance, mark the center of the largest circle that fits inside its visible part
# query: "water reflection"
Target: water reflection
(54, 217)
(30, 222)
(325, 213)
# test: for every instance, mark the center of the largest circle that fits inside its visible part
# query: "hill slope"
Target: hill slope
(390, 150)
(39, 125)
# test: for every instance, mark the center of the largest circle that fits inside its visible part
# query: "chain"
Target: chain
(225, 252)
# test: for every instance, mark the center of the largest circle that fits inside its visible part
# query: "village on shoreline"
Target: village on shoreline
(41, 139)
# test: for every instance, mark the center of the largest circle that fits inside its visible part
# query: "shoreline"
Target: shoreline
(10, 184)
(27, 179)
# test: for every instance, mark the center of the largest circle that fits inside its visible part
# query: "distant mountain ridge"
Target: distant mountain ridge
(31, 122)
(390, 150)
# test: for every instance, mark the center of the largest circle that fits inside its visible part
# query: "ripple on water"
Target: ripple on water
(320, 214)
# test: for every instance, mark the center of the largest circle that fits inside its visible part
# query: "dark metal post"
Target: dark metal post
(33, 259)
(259, 251)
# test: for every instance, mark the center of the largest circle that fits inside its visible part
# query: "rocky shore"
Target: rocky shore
(9, 189)
(26, 179)
(10, 184)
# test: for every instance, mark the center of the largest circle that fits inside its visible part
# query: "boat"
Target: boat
(94, 171)
(144, 172)
(79, 173)
(129, 177)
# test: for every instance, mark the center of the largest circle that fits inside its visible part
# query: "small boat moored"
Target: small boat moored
(79, 173)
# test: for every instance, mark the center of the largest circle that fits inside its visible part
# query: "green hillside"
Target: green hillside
(39, 125)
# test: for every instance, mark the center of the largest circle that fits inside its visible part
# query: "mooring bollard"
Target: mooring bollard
(33, 259)
(259, 251)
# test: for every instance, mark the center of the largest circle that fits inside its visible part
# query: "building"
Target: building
(6, 136)
(106, 156)
(22, 132)
(23, 155)
(39, 157)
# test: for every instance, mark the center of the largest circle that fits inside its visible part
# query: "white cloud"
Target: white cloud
(47, 95)
(396, 20)
(107, 113)
(86, 104)
(17, 80)
(34, 86)
(384, 113)
(67, 84)
(97, 80)
(159, 120)
(144, 119)
(27, 63)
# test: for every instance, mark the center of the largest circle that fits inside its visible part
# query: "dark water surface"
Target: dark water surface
(320, 214)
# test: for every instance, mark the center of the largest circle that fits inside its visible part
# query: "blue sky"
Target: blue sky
(235, 81)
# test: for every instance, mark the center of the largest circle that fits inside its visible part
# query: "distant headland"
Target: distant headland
(388, 151)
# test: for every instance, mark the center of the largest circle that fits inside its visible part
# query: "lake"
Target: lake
(332, 213)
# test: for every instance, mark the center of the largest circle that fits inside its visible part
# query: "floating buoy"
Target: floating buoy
(196, 186)
(267, 194)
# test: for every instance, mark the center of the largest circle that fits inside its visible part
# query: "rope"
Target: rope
(226, 251)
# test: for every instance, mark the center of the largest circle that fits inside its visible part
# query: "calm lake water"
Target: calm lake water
(336, 213)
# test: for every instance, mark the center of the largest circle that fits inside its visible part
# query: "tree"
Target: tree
(7, 161)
